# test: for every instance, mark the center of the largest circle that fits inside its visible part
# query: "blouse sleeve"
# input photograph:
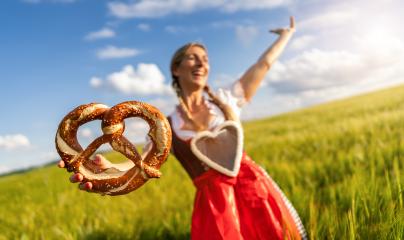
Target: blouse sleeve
(233, 96)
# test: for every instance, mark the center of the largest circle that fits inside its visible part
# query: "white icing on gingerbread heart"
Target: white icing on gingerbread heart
(220, 149)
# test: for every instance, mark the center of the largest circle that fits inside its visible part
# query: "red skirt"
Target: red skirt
(249, 206)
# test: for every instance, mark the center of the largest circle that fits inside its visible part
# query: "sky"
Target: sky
(59, 54)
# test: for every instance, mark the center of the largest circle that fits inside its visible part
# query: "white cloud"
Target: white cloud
(165, 105)
(180, 29)
(49, 156)
(347, 17)
(111, 52)
(86, 133)
(153, 9)
(223, 80)
(355, 52)
(316, 69)
(100, 34)
(159, 8)
(380, 46)
(237, 5)
(12, 142)
(302, 42)
(144, 27)
(95, 82)
(263, 106)
(317, 75)
(146, 79)
(232, 23)
(136, 130)
(4, 169)
(329, 19)
(246, 34)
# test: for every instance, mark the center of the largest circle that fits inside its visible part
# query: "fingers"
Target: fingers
(77, 177)
(99, 160)
(280, 31)
(86, 186)
(292, 22)
(61, 164)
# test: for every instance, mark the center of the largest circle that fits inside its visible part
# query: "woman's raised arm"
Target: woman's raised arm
(253, 77)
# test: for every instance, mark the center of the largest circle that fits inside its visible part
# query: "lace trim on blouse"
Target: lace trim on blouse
(233, 96)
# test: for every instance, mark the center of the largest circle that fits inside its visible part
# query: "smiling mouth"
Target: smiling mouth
(198, 74)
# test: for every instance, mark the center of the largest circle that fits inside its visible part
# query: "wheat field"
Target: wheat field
(340, 164)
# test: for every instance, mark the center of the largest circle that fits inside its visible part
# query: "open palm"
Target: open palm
(281, 31)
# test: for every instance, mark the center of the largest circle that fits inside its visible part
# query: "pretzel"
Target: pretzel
(114, 180)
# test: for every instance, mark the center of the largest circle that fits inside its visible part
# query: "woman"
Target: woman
(248, 205)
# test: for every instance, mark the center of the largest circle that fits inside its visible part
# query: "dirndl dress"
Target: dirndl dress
(248, 206)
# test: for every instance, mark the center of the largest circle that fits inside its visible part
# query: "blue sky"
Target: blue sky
(58, 54)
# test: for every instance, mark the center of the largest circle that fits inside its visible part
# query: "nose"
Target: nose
(198, 62)
(201, 62)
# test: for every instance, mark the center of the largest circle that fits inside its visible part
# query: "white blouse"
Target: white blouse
(232, 96)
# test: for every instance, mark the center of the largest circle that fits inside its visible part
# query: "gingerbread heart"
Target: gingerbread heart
(220, 149)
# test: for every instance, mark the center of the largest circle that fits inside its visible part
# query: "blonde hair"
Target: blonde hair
(175, 62)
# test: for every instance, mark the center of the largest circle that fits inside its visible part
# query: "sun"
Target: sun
(380, 36)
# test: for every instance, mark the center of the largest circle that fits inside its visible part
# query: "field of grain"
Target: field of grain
(341, 164)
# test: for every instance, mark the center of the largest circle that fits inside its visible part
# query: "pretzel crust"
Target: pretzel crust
(114, 181)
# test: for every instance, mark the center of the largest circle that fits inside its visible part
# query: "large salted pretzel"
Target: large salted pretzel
(114, 181)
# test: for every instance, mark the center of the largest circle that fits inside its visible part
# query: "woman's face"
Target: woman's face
(193, 70)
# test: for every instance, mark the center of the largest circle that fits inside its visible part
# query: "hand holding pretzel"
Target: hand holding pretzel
(99, 164)
(112, 179)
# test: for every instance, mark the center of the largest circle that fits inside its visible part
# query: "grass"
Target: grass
(340, 164)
